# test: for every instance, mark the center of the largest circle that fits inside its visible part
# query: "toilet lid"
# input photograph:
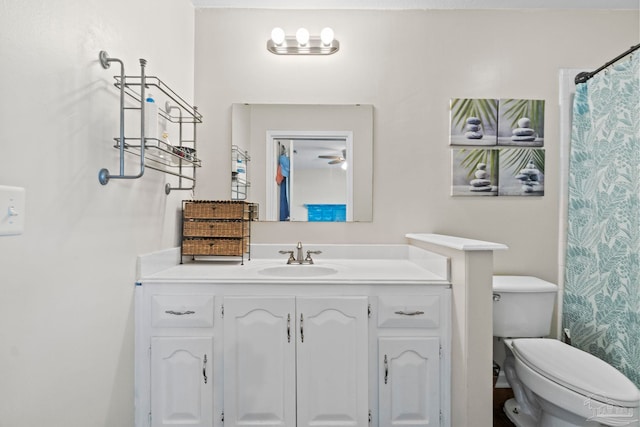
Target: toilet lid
(522, 284)
(577, 370)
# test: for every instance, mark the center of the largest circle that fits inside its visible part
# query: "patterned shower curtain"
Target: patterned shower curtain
(601, 304)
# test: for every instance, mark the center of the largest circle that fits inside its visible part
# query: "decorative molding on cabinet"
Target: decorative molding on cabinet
(253, 337)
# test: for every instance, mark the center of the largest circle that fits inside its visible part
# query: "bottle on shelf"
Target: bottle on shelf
(150, 119)
(240, 166)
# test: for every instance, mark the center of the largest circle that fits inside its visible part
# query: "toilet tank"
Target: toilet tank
(522, 306)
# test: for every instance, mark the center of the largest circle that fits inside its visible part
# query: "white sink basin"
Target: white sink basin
(293, 270)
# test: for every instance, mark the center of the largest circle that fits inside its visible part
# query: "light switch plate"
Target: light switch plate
(12, 210)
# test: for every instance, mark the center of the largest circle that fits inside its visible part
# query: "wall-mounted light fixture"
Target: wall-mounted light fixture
(302, 43)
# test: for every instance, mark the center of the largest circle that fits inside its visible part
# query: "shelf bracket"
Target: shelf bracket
(103, 175)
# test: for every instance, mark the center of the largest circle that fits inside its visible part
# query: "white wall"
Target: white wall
(408, 64)
(66, 284)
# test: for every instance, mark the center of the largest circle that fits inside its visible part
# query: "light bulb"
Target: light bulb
(302, 36)
(277, 35)
(326, 35)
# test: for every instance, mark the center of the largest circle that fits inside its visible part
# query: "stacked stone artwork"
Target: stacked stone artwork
(524, 132)
(481, 183)
(473, 128)
(492, 141)
(529, 177)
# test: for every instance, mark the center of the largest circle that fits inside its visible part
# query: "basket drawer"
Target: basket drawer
(208, 247)
(420, 311)
(216, 210)
(182, 311)
(213, 229)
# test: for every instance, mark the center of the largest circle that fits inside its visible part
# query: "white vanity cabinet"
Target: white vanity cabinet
(259, 361)
(180, 380)
(409, 385)
(296, 361)
(179, 342)
(411, 388)
(212, 354)
(332, 349)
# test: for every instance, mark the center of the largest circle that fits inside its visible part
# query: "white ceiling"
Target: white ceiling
(421, 4)
(306, 152)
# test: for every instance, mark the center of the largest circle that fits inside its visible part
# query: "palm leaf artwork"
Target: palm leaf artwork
(521, 172)
(475, 156)
(517, 159)
(484, 109)
(515, 109)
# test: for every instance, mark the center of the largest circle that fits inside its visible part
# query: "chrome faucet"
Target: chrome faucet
(299, 259)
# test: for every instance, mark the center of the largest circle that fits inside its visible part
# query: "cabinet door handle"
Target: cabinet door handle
(204, 369)
(301, 328)
(289, 327)
(409, 313)
(386, 369)
(180, 313)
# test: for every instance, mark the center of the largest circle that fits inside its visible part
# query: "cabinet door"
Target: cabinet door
(181, 381)
(409, 381)
(332, 362)
(259, 361)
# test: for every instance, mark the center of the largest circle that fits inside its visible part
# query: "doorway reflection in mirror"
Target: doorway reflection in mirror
(313, 177)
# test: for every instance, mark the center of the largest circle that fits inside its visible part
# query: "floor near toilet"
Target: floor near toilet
(501, 395)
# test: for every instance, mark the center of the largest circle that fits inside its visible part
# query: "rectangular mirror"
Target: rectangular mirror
(308, 162)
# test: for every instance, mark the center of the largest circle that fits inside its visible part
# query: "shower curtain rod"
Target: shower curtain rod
(584, 76)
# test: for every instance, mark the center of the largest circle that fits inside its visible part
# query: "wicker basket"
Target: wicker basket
(216, 228)
(213, 229)
(227, 209)
(209, 247)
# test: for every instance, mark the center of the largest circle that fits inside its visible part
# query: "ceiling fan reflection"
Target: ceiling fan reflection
(334, 160)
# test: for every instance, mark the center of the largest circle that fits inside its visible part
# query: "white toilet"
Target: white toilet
(554, 384)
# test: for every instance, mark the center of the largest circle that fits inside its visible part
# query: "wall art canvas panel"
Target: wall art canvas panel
(474, 172)
(521, 172)
(473, 122)
(521, 122)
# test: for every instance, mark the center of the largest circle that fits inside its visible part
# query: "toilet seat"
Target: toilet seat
(577, 370)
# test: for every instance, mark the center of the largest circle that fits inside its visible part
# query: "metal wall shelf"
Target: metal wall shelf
(239, 173)
(179, 159)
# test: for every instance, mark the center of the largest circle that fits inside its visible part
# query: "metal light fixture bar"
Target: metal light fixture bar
(303, 43)
(314, 46)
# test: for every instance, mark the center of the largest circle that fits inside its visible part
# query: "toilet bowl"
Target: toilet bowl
(569, 387)
(554, 384)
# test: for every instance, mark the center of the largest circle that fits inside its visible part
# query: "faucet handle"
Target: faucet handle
(308, 258)
(291, 257)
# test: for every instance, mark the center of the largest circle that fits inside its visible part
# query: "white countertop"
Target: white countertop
(348, 271)
(350, 263)
(366, 264)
